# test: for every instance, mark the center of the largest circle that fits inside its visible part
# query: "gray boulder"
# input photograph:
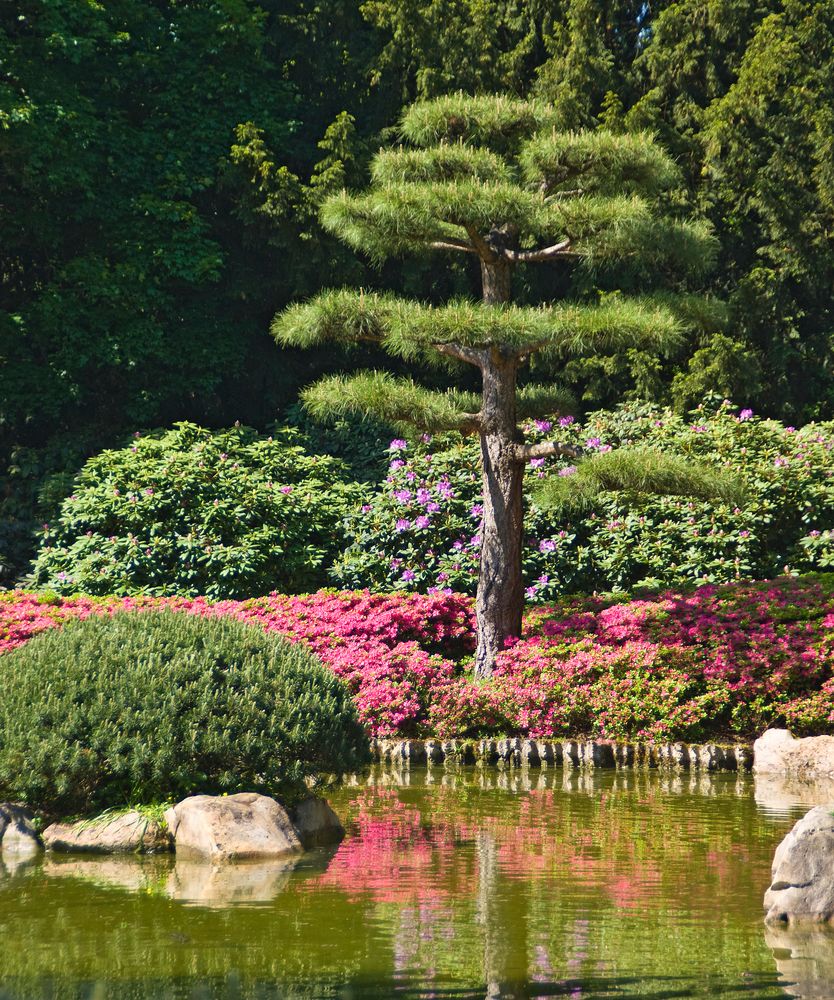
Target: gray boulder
(127, 833)
(316, 824)
(248, 825)
(18, 836)
(777, 752)
(802, 887)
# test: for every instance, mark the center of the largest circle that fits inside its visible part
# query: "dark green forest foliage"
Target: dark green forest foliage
(162, 163)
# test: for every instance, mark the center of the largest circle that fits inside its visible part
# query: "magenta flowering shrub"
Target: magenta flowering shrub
(421, 529)
(720, 661)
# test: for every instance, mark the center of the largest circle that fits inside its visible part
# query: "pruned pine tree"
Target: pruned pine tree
(491, 178)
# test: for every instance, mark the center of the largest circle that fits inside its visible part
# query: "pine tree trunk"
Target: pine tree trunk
(495, 280)
(500, 598)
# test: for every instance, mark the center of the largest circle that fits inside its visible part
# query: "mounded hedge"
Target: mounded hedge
(144, 706)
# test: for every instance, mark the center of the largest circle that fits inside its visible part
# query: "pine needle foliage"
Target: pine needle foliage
(409, 329)
(400, 402)
(148, 706)
(491, 177)
(497, 121)
(638, 471)
(597, 161)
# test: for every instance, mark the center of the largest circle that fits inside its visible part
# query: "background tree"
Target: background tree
(489, 177)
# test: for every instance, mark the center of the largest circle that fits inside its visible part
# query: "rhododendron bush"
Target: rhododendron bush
(721, 661)
(422, 528)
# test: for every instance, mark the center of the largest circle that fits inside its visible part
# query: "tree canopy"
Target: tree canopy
(491, 177)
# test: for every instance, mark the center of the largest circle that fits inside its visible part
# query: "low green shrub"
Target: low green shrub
(145, 706)
(194, 512)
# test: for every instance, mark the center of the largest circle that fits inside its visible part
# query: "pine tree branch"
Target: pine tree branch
(639, 472)
(547, 449)
(545, 253)
(470, 355)
(451, 244)
(482, 247)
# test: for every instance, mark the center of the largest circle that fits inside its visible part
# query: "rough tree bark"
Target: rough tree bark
(495, 280)
(498, 606)
(500, 599)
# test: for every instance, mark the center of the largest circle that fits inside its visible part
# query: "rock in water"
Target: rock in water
(316, 824)
(248, 825)
(777, 752)
(127, 833)
(802, 889)
(18, 835)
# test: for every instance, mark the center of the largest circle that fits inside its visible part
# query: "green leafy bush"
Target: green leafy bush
(421, 530)
(190, 511)
(145, 706)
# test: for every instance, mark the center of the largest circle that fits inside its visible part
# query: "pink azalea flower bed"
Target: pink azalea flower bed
(722, 661)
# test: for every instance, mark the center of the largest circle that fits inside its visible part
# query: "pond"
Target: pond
(450, 884)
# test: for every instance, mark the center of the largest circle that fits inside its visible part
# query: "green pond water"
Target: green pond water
(449, 884)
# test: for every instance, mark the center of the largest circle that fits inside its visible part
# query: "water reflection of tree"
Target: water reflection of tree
(502, 915)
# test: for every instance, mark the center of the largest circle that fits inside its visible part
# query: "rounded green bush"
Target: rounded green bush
(189, 512)
(145, 706)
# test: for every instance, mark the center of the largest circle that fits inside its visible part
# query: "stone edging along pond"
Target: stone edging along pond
(515, 752)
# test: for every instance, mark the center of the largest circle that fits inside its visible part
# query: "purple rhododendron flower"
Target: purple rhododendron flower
(547, 545)
(536, 463)
(403, 524)
(403, 496)
(543, 425)
(398, 444)
(422, 522)
(745, 414)
(477, 510)
(568, 470)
